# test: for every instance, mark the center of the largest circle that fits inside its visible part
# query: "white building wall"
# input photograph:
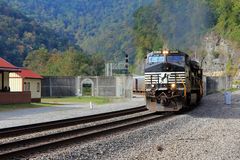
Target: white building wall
(15, 82)
(13, 74)
(35, 91)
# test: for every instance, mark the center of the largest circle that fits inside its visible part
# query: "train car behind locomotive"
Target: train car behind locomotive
(172, 81)
(138, 84)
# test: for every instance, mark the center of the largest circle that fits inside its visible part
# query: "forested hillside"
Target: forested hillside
(183, 24)
(110, 28)
(99, 26)
(20, 34)
(172, 24)
(227, 13)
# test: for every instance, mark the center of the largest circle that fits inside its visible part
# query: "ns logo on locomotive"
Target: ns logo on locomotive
(172, 81)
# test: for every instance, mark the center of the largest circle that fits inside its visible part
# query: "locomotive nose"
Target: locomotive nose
(166, 67)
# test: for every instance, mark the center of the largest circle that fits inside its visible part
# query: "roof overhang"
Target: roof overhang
(10, 69)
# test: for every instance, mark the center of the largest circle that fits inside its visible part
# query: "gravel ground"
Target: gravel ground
(210, 131)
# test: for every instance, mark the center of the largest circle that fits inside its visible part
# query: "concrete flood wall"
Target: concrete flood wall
(214, 84)
(124, 86)
(117, 86)
(120, 86)
(58, 86)
(107, 86)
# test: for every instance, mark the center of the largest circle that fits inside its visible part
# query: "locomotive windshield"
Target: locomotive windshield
(156, 59)
(180, 60)
(175, 59)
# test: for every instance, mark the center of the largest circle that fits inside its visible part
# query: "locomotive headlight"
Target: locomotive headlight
(152, 85)
(165, 52)
(173, 86)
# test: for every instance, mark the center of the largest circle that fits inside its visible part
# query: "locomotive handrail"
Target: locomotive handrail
(184, 85)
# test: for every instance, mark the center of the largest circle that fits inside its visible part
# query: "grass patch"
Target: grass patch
(9, 107)
(229, 90)
(96, 100)
(232, 89)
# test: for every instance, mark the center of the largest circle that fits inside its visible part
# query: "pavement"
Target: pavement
(46, 114)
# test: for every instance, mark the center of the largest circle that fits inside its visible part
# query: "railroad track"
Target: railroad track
(32, 128)
(109, 122)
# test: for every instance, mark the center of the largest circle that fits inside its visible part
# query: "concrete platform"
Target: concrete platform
(45, 114)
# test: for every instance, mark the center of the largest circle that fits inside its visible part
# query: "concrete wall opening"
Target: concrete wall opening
(87, 87)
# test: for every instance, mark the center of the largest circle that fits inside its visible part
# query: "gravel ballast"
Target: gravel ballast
(210, 131)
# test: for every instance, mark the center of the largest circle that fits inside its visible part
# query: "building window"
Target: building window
(38, 87)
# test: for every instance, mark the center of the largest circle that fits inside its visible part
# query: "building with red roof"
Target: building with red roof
(6, 96)
(26, 73)
(26, 80)
(5, 65)
(5, 69)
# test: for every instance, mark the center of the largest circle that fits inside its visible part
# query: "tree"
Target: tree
(97, 65)
(54, 65)
(37, 60)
